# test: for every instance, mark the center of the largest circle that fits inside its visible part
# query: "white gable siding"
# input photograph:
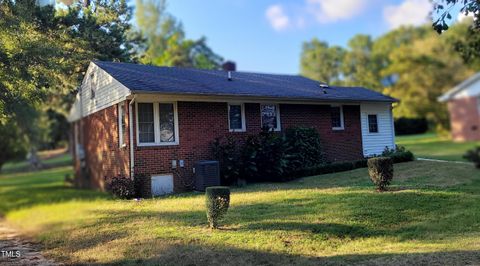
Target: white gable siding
(108, 91)
(473, 89)
(375, 143)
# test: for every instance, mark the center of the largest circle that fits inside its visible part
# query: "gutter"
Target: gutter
(130, 126)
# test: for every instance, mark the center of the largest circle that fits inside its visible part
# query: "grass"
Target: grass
(434, 147)
(48, 158)
(431, 216)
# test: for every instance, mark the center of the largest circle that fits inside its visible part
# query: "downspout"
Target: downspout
(130, 126)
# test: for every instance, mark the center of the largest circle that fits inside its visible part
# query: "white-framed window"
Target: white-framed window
(270, 116)
(121, 124)
(236, 117)
(336, 114)
(157, 123)
(372, 123)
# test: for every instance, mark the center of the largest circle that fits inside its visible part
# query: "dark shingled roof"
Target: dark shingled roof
(190, 81)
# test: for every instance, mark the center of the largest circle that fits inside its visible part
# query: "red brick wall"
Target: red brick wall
(103, 156)
(464, 119)
(200, 123)
(339, 145)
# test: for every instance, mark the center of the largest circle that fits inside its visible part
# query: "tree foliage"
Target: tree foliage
(469, 46)
(403, 63)
(44, 53)
(322, 62)
(166, 44)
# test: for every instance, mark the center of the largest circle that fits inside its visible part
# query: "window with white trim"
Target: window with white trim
(121, 124)
(236, 117)
(373, 123)
(157, 124)
(270, 116)
(336, 114)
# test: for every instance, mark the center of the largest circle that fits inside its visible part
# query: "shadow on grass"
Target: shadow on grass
(201, 255)
(194, 254)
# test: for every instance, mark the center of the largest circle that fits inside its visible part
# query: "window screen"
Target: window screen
(269, 116)
(336, 115)
(235, 117)
(167, 122)
(146, 132)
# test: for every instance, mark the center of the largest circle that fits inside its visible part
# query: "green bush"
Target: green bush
(303, 147)
(401, 157)
(264, 157)
(267, 156)
(122, 187)
(227, 152)
(380, 170)
(473, 155)
(217, 203)
(408, 126)
(360, 163)
(399, 154)
(323, 169)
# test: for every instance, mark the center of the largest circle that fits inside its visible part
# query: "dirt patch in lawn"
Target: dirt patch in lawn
(16, 250)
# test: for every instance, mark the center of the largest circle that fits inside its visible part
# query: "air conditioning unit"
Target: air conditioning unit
(207, 174)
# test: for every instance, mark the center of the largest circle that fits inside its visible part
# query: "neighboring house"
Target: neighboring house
(133, 119)
(464, 107)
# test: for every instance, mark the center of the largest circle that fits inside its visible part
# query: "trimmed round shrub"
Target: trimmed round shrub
(380, 170)
(217, 203)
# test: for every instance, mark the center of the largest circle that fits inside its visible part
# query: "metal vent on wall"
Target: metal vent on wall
(207, 174)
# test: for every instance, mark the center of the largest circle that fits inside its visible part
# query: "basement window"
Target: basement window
(157, 124)
(236, 117)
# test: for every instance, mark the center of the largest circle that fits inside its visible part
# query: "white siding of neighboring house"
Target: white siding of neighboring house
(108, 91)
(375, 143)
(470, 90)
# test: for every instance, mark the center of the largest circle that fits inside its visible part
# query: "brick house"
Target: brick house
(463, 103)
(131, 119)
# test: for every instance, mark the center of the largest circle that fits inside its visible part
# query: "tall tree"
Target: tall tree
(44, 53)
(423, 76)
(166, 41)
(322, 62)
(360, 66)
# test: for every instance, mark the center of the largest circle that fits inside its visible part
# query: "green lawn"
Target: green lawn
(58, 160)
(432, 215)
(433, 147)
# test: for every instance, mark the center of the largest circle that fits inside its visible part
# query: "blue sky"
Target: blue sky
(267, 35)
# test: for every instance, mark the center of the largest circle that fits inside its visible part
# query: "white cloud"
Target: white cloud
(277, 17)
(462, 17)
(409, 12)
(327, 11)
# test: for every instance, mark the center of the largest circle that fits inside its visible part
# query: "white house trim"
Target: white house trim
(242, 110)
(156, 124)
